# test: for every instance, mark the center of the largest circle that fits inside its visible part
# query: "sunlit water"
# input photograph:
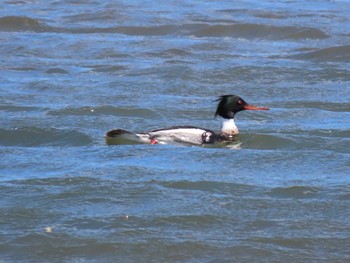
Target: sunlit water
(72, 70)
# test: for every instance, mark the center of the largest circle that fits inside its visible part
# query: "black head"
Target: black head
(229, 105)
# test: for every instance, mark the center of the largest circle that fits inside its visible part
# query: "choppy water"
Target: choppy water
(71, 70)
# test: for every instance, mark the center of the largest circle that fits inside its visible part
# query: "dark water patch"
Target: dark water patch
(309, 246)
(82, 189)
(82, 192)
(54, 181)
(59, 246)
(104, 110)
(327, 133)
(332, 54)
(187, 221)
(209, 186)
(245, 30)
(252, 31)
(95, 15)
(170, 53)
(327, 142)
(265, 141)
(24, 68)
(261, 225)
(15, 108)
(109, 69)
(148, 31)
(344, 197)
(34, 136)
(337, 192)
(272, 14)
(305, 49)
(314, 75)
(108, 53)
(295, 192)
(56, 71)
(124, 30)
(177, 52)
(70, 248)
(291, 243)
(206, 21)
(18, 23)
(306, 33)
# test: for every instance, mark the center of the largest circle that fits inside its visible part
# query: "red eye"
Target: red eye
(240, 102)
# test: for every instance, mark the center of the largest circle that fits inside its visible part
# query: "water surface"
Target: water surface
(70, 71)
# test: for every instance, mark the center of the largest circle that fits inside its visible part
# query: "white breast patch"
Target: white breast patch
(229, 127)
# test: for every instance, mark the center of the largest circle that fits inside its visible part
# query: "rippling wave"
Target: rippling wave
(104, 110)
(260, 31)
(338, 53)
(13, 23)
(228, 29)
(20, 23)
(34, 136)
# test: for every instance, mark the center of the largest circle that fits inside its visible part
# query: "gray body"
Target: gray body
(173, 135)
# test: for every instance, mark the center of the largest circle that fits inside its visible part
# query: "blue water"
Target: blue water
(70, 71)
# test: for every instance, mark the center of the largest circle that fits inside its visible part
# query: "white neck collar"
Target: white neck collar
(228, 126)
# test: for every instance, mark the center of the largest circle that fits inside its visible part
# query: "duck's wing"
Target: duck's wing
(182, 135)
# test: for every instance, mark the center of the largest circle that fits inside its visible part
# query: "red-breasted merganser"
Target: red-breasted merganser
(227, 108)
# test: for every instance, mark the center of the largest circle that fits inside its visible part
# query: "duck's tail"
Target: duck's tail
(120, 136)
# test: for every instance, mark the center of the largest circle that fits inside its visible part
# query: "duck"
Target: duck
(227, 108)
